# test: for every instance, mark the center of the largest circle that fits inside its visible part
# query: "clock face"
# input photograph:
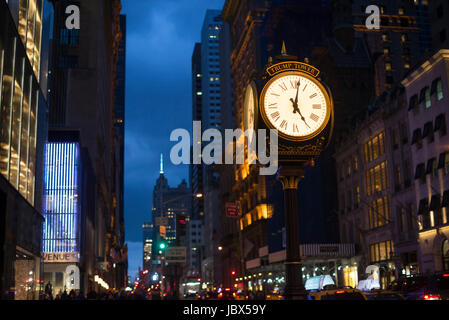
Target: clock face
(250, 106)
(296, 105)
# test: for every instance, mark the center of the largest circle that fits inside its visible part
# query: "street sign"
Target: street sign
(162, 221)
(176, 255)
(232, 210)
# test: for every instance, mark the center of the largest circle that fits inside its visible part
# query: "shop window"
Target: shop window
(26, 277)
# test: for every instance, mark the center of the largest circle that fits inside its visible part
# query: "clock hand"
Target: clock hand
(296, 109)
(297, 92)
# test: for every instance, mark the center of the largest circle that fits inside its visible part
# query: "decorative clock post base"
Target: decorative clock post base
(290, 175)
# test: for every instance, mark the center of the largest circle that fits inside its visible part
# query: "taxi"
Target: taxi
(338, 294)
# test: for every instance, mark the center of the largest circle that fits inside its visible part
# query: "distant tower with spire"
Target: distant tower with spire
(162, 164)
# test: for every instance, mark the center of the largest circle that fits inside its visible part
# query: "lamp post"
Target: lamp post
(290, 176)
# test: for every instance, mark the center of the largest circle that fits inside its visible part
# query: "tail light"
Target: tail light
(233, 294)
(446, 275)
(432, 297)
(340, 291)
(220, 295)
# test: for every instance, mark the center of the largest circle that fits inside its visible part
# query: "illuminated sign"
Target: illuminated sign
(60, 257)
(60, 232)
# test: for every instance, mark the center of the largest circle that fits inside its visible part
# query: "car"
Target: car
(274, 295)
(383, 295)
(241, 296)
(337, 294)
(429, 287)
(227, 294)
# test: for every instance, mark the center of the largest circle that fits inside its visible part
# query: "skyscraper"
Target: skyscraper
(87, 92)
(23, 123)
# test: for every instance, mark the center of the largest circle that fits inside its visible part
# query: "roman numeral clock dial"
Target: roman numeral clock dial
(295, 104)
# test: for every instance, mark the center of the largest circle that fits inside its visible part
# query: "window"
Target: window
(417, 137)
(404, 37)
(379, 212)
(425, 97)
(374, 148)
(428, 131)
(420, 172)
(437, 87)
(443, 162)
(385, 37)
(413, 105)
(356, 163)
(381, 251)
(401, 11)
(432, 167)
(388, 66)
(357, 196)
(376, 179)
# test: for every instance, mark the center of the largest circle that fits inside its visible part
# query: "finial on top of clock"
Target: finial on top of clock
(306, 60)
(283, 50)
(270, 60)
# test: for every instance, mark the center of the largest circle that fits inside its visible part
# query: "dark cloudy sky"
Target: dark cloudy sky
(160, 38)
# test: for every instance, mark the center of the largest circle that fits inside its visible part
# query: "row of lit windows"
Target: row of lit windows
(429, 130)
(261, 212)
(28, 16)
(19, 98)
(374, 148)
(379, 213)
(381, 251)
(376, 178)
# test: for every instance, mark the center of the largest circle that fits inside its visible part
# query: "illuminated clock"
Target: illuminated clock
(295, 104)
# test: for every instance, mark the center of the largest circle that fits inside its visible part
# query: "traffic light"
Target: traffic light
(233, 273)
(162, 245)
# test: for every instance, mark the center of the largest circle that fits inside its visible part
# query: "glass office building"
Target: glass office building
(23, 132)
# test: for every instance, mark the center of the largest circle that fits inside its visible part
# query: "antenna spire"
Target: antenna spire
(162, 164)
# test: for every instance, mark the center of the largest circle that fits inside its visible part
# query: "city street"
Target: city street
(224, 158)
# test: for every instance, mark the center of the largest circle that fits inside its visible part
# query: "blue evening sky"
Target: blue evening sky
(160, 38)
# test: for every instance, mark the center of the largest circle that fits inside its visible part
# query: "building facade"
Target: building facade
(23, 134)
(427, 91)
(87, 92)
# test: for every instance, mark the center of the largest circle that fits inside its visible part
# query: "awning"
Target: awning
(435, 202)
(420, 171)
(423, 207)
(445, 202)
(413, 102)
(417, 136)
(431, 165)
(428, 129)
(440, 122)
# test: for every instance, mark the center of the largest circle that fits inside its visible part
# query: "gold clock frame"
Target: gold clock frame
(253, 86)
(327, 97)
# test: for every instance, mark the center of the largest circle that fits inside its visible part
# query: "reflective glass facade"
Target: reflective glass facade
(19, 96)
(61, 197)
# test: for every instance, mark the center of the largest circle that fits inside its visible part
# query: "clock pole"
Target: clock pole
(289, 176)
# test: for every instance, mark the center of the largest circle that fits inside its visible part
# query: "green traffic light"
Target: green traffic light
(162, 245)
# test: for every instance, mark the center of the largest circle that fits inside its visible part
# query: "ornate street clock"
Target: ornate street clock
(296, 103)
